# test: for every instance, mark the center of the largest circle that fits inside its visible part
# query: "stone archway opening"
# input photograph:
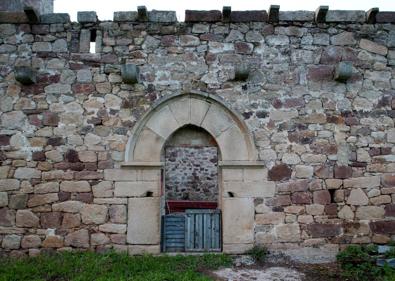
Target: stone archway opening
(191, 217)
(240, 173)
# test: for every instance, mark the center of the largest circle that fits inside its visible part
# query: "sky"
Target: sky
(106, 8)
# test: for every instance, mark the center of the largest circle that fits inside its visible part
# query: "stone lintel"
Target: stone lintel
(385, 17)
(86, 17)
(203, 16)
(346, 16)
(13, 17)
(320, 14)
(274, 13)
(371, 15)
(55, 18)
(249, 16)
(299, 16)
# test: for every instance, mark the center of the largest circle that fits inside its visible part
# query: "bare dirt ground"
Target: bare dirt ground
(245, 269)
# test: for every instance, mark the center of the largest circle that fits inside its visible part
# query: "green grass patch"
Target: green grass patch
(86, 266)
(358, 263)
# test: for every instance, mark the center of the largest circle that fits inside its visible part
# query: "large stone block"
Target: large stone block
(27, 173)
(26, 218)
(3, 199)
(370, 213)
(75, 186)
(238, 220)
(120, 174)
(11, 242)
(9, 184)
(317, 230)
(199, 110)
(228, 140)
(383, 227)
(41, 199)
(137, 189)
(363, 182)
(143, 221)
(93, 214)
(217, 121)
(78, 239)
(163, 122)
(113, 228)
(68, 207)
(288, 232)
(148, 147)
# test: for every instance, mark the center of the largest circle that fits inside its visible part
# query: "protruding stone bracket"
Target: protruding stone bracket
(130, 73)
(320, 14)
(371, 15)
(274, 12)
(242, 72)
(142, 14)
(25, 75)
(226, 11)
(343, 71)
(32, 15)
(87, 17)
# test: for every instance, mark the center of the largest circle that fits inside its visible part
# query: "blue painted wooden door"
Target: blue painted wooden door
(196, 230)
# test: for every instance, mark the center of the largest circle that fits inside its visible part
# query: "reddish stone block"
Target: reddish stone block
(64, 196)
(277, 103)
(281, 200)
(50, 119)
(7, 217)
(383, 227)
(294, 102)
(109, 58)
(351, 121)
(388, 180)
(41, 29)
(331, 210)
(385, 150)
(389, 210)
(35, 120)
(322, 197)
(80, 88)
(318, 230)
(212, 37)
(243, 48)
(168, 40)
(76, 166)
(280, 172)
(318, 73)
(293, 186)
(301, 198)
(72, 156)
(335, 119)
(51, 220)
(62, 166)
(249, 16)
(342, 172)
(55, 141)
(374, 151)
(90, 166)
(106, 164)
(85, 197)
(4, 140)
(331, 55)
(38, 156)
(201, 16)
(324, 172)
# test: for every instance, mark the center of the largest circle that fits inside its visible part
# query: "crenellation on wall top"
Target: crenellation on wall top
(322, 15)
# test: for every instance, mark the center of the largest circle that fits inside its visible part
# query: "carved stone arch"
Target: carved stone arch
(196, 108)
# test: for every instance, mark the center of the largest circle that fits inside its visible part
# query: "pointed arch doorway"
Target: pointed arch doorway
(146, 153)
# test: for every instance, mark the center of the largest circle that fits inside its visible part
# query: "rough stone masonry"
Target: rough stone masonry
(327, 146)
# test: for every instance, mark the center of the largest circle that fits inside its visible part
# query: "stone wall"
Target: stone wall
(327, 146)
(191, 173)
